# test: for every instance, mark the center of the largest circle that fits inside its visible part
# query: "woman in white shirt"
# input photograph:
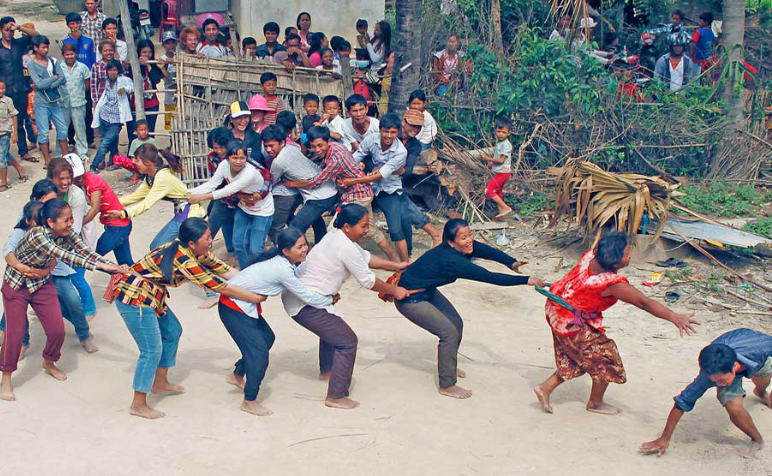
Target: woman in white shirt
(254, 214)
(272, 273)
(330, 263)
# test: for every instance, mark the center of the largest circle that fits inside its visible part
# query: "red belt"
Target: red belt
(230, 303)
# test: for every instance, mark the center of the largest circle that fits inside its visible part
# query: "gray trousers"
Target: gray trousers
(337, 347)
(438, 316)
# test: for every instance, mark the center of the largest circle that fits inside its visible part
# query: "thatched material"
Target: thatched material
(206, 87)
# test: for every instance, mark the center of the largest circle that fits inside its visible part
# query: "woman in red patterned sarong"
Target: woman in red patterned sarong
(581, 344)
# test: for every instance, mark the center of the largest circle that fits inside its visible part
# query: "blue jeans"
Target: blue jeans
(5, 151)
(72, 309)
(116, 239)
(418, 218)
(395, 207)
(168, 233)
(221, 218)
(109, 141)
(157, 339)
(249, 232)
(84, 290)
(53, 113)
(25, 342)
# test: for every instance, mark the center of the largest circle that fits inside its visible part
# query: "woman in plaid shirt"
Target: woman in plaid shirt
(53, 240)
(141, 300)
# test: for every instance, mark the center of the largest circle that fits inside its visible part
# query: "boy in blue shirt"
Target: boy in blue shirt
(704, 41)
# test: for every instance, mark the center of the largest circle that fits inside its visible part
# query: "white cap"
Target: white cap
(588, 22)
(76, 163)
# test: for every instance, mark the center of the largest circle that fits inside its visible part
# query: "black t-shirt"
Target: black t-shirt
(309, 121)
(11, 68)
(414, 149)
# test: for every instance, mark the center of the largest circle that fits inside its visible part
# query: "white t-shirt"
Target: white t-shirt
(428, 131)
(329, 264)
(350, 135)
(337, 125)
(249, 180)
(503, 148)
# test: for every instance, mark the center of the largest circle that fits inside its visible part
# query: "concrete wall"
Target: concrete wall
(333, 17)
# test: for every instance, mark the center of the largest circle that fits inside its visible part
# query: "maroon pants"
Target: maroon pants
(46, 305)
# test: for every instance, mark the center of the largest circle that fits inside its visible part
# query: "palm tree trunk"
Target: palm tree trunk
(408, 52)
(497, 39)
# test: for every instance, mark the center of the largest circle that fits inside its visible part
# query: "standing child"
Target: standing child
(501, 165)
(417, 101)
(78, 78)
(311, 106)
(169, 42)
(704, 42)
(151, 76)
(249, 48)
(112, 111)
(9, 130)
(331, 118)
(269, 83)
(143, 137)
(363, 37)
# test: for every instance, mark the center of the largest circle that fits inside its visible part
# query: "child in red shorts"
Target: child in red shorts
(501, 165)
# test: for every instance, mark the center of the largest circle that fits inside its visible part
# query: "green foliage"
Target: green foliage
(719, 199)
(761, 227)
(528, 205)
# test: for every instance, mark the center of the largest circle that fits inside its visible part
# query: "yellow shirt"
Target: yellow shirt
(166, 186)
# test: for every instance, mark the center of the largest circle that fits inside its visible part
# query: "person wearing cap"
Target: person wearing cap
(239, 121)
(259, 109)
(169, 41)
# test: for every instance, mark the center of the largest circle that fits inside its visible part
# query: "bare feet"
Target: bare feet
(6, 392)
(766, 398)
(344, 403)
(51, 369)
(90, 317)
(460, 373)
(236, 380)
(89, 346)
(456, 392)
(603, 408)
(544, 399)
(209, 303)
(325, 376)
(159, 388)
(752, 449)
(146, 412)
(255, 408)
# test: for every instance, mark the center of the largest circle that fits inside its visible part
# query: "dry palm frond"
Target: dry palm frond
(598, 196)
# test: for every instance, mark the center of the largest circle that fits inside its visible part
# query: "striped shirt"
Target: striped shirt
(150, 290)
(753, 349)
(277, 106)
(98, 80)
(340, 164)
(39, 247)
(291, 163)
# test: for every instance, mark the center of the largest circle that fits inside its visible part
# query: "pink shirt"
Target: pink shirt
(109, 201)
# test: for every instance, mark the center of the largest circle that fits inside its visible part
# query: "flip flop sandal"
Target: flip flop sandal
(672, 296)
(30, 158)
(672, 263)
(23, 178)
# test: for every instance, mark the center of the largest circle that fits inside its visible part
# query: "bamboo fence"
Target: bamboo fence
(206, 87)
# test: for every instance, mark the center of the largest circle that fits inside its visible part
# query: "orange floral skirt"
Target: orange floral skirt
(588, 351)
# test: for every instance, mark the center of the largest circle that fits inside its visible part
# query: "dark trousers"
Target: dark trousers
(284, 207)
(221, 218)
(254, 338)
(337, 347)
(438, 316)
(116, 239)
(46, 305)
(20, 102)
(89, 118)
(396, 208)
(310, 214)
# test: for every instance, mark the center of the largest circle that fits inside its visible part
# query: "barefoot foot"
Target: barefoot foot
(766, 398)
(167, 387)
(344, 403)
(544, 399)
(89, 346)
(255, 408)
(6, 393)
(236, 380)
(460, 373)
(51, 369)
(325, 376)
(603, 408)
(146, 412)
(90, 317)
(456, 392)
(209, 303)
(752, 449)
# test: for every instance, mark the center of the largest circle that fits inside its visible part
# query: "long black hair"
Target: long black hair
(349, 215)
(315, 43)
(191, 229)
(451, 229)
(51, 210)
(385, 45)
(286, 239)
(30, 213)
(42, 188)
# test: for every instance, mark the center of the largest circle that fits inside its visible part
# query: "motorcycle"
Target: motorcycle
(139, 19)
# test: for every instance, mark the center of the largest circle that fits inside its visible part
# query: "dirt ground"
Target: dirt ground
(403, 426)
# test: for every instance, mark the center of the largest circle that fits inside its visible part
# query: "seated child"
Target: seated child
(417, 101)
(331, 117)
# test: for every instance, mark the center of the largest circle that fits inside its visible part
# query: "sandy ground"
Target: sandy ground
(82, 427)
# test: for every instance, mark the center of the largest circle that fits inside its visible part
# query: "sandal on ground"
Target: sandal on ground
(672, 263)
(23, 178)
(4, 187)
(30, 158)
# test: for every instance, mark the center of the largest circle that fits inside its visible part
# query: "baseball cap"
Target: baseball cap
(239, 109)
(414, 118)
(76, 163)
(168, 35)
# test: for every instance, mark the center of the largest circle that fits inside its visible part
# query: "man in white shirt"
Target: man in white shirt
(289, 162)
(358, 125)
(210, 47)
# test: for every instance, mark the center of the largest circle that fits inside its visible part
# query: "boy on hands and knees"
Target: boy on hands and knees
(723, 364)
(501, 165)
